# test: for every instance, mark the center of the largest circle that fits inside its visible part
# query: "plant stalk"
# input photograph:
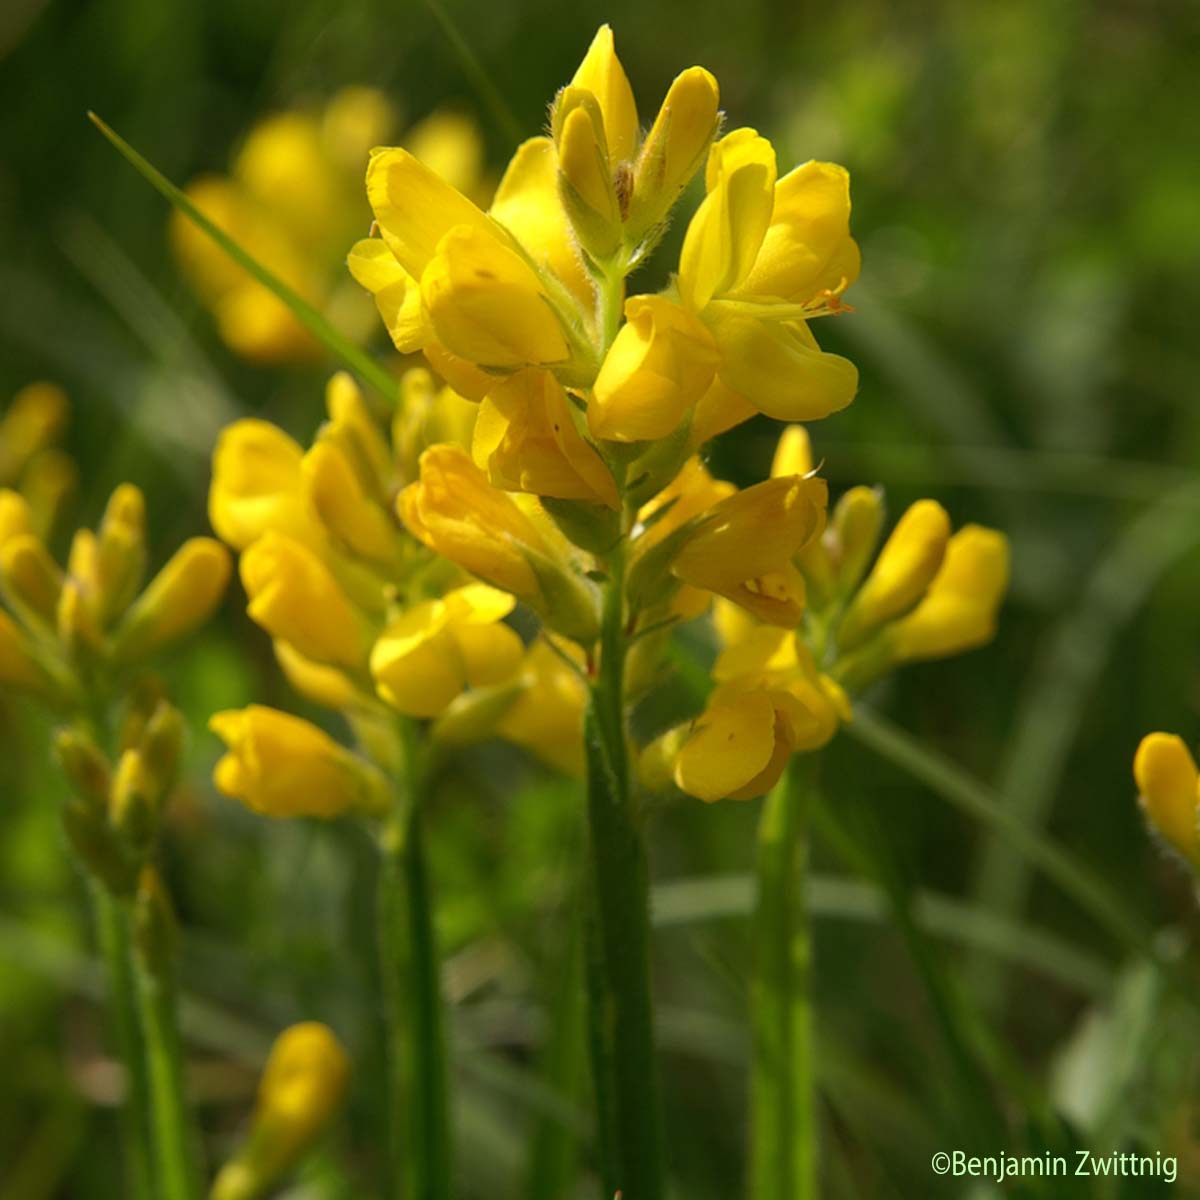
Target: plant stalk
(174, 1138)
(112, 928)
(621, 1021)
(783, 1163)
(419, 1140)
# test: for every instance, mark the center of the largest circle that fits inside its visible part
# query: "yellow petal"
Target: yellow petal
(601, 74)
(729, 747)
(396, 293)
(416, 664)
(793, 452)
(780, 369)
(487, 305)
(660, 364)
(808, 248)
(527, 204)
(415, 208)
(724, 235)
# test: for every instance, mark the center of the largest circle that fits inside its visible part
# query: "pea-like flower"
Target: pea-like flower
(283, 766)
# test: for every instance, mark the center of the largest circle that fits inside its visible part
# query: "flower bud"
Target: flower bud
(659, 365)
(294, 596)
(302, 1086)
(585, 178)
(31, 579)
(350, 415)
(135, 802)
(602, 75)
(854, 532)
(906, 565)
(674, 148)
(48, 483)
(120, 552)
(85, 767)
(283, 766)
(314, 681)
(958, 612)
(178, 599)
(36, 416)
(99, 849)
(1169, 791)
(15, 517)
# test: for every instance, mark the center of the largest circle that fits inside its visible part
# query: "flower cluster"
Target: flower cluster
(364, 619)
(929, 593)
(293, 193)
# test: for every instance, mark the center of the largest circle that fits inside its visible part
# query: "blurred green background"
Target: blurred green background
(1026, 182)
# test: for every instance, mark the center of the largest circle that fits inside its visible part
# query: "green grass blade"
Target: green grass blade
(835, 897)
(357, 359)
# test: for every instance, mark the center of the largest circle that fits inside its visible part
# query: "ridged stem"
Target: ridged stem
(783, 1161)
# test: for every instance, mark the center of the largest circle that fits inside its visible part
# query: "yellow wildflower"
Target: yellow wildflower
(282, 766)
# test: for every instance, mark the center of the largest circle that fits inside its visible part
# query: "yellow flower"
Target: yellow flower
(546, 717)
(602, 75)
(179, 598)
(303, 1085)
(282, 766)
(525, 438)
(358, 520)
(432, 652)
(258, 485)
(454, 510)
(744, 547)
(660, 363)
(760, 258)
(1169, 791)
(907, 564)
(295, 598)
(33, 421)
(770, 702)
(318, 682)
(958, 612)
(586, 185)
(31, 580)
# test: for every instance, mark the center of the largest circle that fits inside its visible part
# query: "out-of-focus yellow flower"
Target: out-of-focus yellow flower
(295, 598)
(525, 438)
(179, 598)
(546, 717)
(29, 460)
(432, 652)
(744, 547)
(303, 1085)
(1169, 791)
(661, 362)
(907, 564)
(958, 612)
(282, 766)
(257, 485)
(293, 199)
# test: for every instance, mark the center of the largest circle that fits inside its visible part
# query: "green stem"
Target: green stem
(621, 1021)
(174, 1138)
(419, 1139)
(112, 927)
(783, 1163)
